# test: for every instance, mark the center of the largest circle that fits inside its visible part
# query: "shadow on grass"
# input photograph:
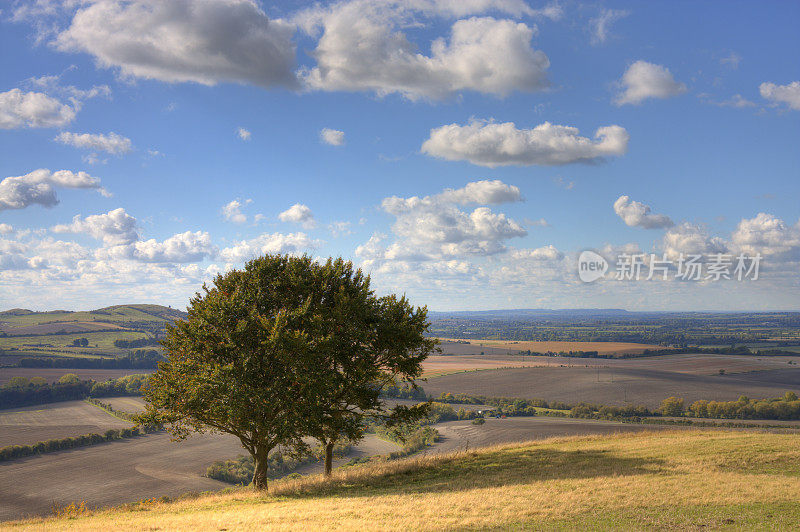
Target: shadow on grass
(479, 470)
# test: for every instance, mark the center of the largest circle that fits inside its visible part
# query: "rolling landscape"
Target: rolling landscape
(436, 265)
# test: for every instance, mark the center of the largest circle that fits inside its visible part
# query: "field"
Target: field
(684, 480)
(630, 381)
(30, 424)
(471, 346)
(53, 374)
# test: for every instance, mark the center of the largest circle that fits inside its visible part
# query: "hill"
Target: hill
(685, 480)
(106, 332)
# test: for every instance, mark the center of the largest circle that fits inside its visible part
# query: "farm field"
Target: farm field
(30, 424)
(650, 480)
(615, 384)
(457, 346)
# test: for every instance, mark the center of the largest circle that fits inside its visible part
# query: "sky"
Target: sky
(464, 153)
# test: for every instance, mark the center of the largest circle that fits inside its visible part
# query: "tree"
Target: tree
(262, 356)
(672, 406)
(364, 344)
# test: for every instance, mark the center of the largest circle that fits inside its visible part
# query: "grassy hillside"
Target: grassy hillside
(712, 479)
(24, 333)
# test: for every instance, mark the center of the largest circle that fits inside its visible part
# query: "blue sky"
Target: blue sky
(175, 110)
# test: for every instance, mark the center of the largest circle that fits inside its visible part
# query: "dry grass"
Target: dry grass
(687, 480)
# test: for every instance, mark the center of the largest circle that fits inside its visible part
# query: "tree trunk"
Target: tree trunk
(260, 480)
(329, 458)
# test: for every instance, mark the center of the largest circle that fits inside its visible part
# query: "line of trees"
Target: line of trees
(21, 391)
(139, 342)
(138, 359)
(782, 408)
(12, 452)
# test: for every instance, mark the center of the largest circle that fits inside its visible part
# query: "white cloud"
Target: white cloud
(243, 133)
(768, 235)
(737, 100)
(6, 229)
(363, 48)
(492, 144)
(643, 80)
(114, 228)
(202, 41)
(37, 187)
(484, 192)
(232, 211)
(299, 214)
(111, 143)
(33, 109)
(338, 229)
(601, 25)
(691, 239)
(244, 250)
(334, 137)
(546, 253)
(732, 60)
(788, 94)
(636, 214)
(434, 228)
(182, 247)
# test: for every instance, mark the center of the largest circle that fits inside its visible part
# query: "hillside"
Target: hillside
(25, 334)
(687, 480)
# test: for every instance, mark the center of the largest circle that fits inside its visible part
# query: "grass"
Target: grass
(686, 480)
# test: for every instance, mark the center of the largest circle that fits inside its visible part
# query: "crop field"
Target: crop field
(30, 424)
(125, 471)
(617, 384)
(120, 314)
(510, 346)
(684, 480)
(102, 339)
(134, 405)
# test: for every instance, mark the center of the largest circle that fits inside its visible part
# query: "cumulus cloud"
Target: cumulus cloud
(33, 109)
(363, 48)
(643, 80)
(114, 228)
(545, 253)
(38, 188)
(334, 137)
(691, 239)
(435, 228)
(244, 250)
(111, 143)
(207, 42)
(788, 94)
(299, 214)
(243, 133)
(6, 229)
(636, 214)
(502, 144)
(769, 235)
(338, 229)
(182, 247)
(601, 25)
(232, 212)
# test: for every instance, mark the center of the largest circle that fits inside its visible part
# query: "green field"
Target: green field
(676, 480)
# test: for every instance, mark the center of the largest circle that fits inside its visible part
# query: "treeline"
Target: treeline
(732, 350)
(139, 342)
(11, 452)
(21, 391)
(402, 391)
(781, 408)
(139, 359)
(240, 470)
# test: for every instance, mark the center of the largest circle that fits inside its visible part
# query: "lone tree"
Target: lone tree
(283, 350)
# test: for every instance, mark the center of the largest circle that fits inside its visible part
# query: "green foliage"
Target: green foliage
(283, 349)
(672, 406)
(786, 407)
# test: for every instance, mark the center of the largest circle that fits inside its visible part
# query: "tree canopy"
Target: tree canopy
(283, 350)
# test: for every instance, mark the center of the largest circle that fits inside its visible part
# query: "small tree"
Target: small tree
(672, 406)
